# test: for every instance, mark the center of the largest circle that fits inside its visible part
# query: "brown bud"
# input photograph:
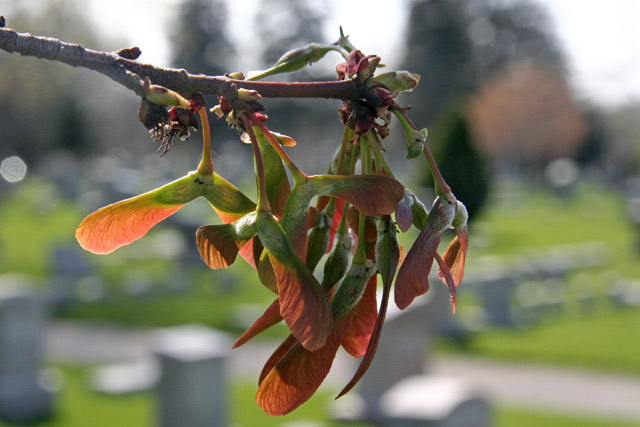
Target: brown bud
(130, 53)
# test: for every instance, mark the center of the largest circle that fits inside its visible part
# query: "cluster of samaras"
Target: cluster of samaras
(344, 216)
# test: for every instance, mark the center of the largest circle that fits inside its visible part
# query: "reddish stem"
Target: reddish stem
(206, 164)
(263, 200)
(299, 177)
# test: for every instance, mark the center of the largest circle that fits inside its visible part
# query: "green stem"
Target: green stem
(347, 136)
(263, 200)
(343, 227)
(365, 156)
(352, 150)
(381, 162)
(360, 256)
(206, 163)
(299, 177)
(441, 186)
(286, 67)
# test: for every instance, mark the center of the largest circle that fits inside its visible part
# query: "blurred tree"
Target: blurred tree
(200, 44)
(461, 164)
(440, 51)
(504, 33)
(71, 130)
(622, 151)
(25, 85)
(456, 45)
(503, 59)
(283, 25)
(591, 152)
(526, 116)
(287, 24)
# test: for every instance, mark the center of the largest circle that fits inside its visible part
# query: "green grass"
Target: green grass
(206, 301)
(33, 221)
(77, 406)
(608, 342)
(534, 220)
(607, 338)
(515, 417)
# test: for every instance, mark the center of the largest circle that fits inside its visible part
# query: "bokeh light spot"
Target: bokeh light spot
(13, 169)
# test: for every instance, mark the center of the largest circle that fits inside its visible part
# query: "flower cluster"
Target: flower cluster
(343, 216)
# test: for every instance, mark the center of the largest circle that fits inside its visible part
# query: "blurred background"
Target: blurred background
(532, 108)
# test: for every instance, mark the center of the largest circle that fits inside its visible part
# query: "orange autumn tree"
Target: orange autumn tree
(350, 215)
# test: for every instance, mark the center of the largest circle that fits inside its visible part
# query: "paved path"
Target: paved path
(549, 389)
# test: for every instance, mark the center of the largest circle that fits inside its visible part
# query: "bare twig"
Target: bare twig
(130, 73)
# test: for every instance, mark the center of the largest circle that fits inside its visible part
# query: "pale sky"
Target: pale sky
(601, 38)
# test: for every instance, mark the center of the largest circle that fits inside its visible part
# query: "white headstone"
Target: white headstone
(430, 401)
(24, 395)
(192, 390)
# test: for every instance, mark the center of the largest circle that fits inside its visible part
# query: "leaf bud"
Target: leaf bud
(238, 75)
(163, 96)
(249, 95)
(415, 142)
(398, 81)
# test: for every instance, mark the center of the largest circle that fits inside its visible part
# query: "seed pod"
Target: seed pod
(265, 273)
(420, 213)
(318, 240)
(460, 220)
(352, 287)
(387, 250)
(338, 261)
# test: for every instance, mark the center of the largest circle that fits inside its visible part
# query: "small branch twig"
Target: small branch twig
(71, 54)
(130, 73)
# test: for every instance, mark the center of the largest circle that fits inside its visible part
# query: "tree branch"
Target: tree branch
(71, 54)
(130, 73)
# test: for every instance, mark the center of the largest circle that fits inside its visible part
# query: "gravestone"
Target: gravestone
(25, 395)
(126, 378)
(496, 293)
(69, 266)
(554, 264)
(192, 389)
(434, 401)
